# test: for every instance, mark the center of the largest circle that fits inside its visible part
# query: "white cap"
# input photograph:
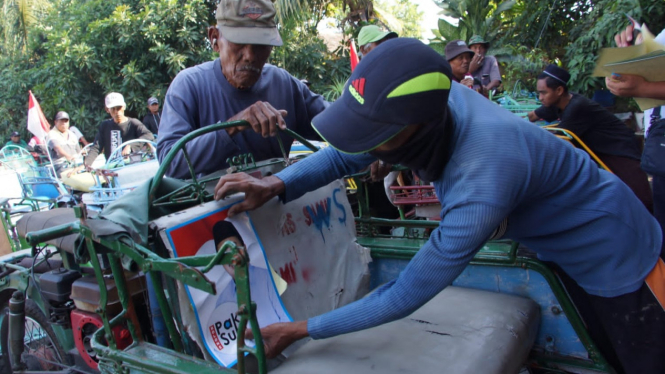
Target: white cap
(114, 99)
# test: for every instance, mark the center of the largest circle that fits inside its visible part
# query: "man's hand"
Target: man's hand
(278, 336)
(262, 117)
(625, 37)
(533, 117)
(257, 191)
(127, 150)
(476, 61)
(74, 171)
(378, 170)
(467, 82)
(625, 85)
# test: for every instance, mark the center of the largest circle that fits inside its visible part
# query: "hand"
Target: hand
(626, 85)
(532, 116)
(257, 191)
(278, 336)
(467, 82)
(74, 171)
(127, 150)
(378, 170)
(625, 37)
(262, 117)
(476, 62)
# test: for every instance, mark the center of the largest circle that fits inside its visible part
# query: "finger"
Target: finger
(224, 186)
(282, 122)
(272, 117)
(242, 206)
(263, 117)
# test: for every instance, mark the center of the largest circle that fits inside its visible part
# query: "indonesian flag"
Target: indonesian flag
(353, 55)
(37, 123)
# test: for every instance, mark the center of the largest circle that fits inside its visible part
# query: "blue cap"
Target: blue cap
(402, 82)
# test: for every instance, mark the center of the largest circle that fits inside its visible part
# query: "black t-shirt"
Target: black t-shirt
(110, 135)
(599, 129)
(151, 121)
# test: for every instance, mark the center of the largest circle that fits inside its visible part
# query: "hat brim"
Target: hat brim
(382, 36)
(252, 35)
(115, 104)
(461, 52)
(348, 132)
(60, 117)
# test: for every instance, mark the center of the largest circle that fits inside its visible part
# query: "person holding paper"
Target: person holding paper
(628, 85)
(609, 138)
(533, 189)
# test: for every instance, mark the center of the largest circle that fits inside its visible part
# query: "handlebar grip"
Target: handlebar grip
(51, 233)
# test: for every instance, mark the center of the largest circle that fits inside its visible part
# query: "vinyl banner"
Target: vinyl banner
(307, 245)
(217, 314)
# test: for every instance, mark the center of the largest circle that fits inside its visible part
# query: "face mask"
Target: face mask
(426, 152)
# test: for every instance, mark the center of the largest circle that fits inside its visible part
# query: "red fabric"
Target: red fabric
(37, 123)
(353, 55)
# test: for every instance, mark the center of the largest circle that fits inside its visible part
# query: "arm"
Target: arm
(320, 169)
(462, 232)
(94, 150)
(315, 171)
(627, 85)
(495, 74)
(476, 63)
(546, 113)
(61, 152)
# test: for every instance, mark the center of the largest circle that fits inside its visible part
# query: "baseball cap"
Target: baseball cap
(477, 39)
(557, 73)
(456, 48)
(248, 22)
(113, 100)
(386, 93)
(61, 115)
(15, 133)
(372, 33)
(153, 100)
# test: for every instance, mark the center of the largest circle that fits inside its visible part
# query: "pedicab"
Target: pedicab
(138, 306)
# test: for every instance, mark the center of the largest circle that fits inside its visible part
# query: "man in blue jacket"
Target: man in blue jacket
(237, 86)
(543, 193)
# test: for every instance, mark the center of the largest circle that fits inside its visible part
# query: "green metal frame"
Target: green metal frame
(496, 253)
(181, 269)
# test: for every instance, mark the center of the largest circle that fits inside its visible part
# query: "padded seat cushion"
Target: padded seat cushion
(34, 221)
(459, 331)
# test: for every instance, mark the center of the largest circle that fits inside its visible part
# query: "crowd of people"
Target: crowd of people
(596, 229)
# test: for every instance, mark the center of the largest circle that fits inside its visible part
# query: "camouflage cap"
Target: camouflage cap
(248, 22)
(477, 39)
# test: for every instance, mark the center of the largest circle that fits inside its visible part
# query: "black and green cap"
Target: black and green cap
(402, 82)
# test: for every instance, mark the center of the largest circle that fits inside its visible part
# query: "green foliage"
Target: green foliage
(476, 17)
(18, 19)
(88, 48)
(521, 68)
(404, 16)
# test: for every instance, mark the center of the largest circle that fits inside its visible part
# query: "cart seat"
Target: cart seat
(460, 331)
(34, 221)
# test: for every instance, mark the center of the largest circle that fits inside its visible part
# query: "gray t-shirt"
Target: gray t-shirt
(490, 67)
(201, 96)
(67, 141)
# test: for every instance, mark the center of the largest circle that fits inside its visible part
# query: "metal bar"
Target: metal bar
(166, 311)
(103, 294)
(125, 297)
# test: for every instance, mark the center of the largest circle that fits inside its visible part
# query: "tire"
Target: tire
(42, 350)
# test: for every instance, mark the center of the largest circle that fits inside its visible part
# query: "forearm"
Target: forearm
(652, 90)
(493, 84)
(320, 169)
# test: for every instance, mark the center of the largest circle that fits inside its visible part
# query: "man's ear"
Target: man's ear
(213, 37)
(559, 91)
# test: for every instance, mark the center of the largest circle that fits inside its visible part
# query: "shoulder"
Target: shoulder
(191, 76)
(275, 74)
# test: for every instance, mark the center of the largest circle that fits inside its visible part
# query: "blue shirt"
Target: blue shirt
(557, 201)
(201, 96)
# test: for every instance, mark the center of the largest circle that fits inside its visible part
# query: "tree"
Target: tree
(18, 19)
(476, 17)
(402, 16)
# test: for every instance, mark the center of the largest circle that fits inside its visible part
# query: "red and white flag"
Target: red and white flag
(37, 123)
(353, 55)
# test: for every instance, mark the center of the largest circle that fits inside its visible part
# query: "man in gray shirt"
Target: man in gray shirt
(484, 68)
(237, 86)
(62, 143)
